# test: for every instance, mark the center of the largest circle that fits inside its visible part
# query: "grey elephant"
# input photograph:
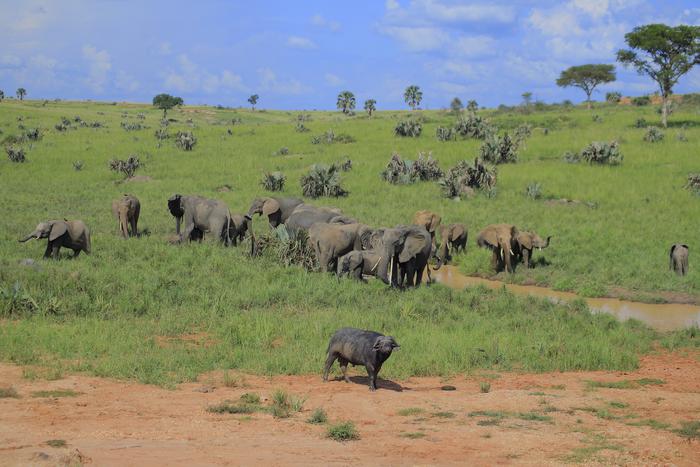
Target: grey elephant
(277, 210)
(70, 234)
(678, 257)
(305, 215)
(526, 242)
(206, 215)
(359, 263)
(127, 210)
(239, 226)
(405, 251)
(331, 241)
(428, 219)
(453, 237)
(501, 239)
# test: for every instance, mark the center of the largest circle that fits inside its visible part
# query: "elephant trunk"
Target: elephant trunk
(385, 266)
(31, 236)
(546, 244)
(442, 255)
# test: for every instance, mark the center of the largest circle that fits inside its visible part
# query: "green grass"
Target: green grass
(594, 443)
(233, 407)
(444, 415)
(318, 417)
(650, 422)
(484, 387)
(413, 435)
(56, 443)
(689, 430)
(409, 411)
(625, 384)
(56, 393)
(344, 431)
(8, 392)
(101, 314)
(618, 405)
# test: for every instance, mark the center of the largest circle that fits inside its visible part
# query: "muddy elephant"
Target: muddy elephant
(358, 263)
(331, 241)
(277, 210)
(305, 215)
(453, 237)
(501, 239)
(207, 215)
(526, 242)
(70, 234)
(678, 257)
(429, 220)
(126, 210)
(239, 226)
(405, 251)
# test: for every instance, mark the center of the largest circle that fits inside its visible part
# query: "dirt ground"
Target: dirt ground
(411, 422)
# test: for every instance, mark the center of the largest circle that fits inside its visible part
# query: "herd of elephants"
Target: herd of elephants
(398, 256)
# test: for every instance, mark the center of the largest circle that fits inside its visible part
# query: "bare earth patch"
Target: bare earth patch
(539, 419)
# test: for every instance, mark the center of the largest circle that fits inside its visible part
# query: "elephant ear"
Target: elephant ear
(270, 206)
(175, 205)
(411, 247)
(57, 229)
(525, 241)
(434, 223)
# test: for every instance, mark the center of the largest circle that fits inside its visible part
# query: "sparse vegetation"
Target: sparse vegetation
(653, 135)
(16, 154)
(273, 181)
(485, 386)
(185, 140)
(500, 149)
(600, 153)
(464, 178)
(693, 183)
(409, 128)
(344, 431)
(322, 180)
(534, 190)
(8, 392)
(56, 393)
(473, 126)
(127, 167)
(318, 417)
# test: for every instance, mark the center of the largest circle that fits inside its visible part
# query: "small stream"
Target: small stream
(662, 317)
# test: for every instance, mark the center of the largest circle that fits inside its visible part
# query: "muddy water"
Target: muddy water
(662, 317)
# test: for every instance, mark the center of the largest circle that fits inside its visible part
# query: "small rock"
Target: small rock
(448, 387)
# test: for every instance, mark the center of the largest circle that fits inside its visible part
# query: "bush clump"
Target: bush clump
(344, 431)
(693, 183)
(132, 126)
(602, 153)
(185, 140)
(653, 135)
(473, 126)
(16, 154)
(426, 168)
(287, 248)
(613, 97)
(345, 165)
(402, 172)
(301, 128)
(322, 180)
(641, 123)
(273, 181)
(445, 134)
(641, 101)
(534, 190)
(500, 149)
(409, 128)
(33, 134)
(464, 178)
(127, 167)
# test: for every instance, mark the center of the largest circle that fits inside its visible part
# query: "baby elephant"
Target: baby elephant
(368, 348)
(70, 234)
(126, 210)
(238, 227)
(679, 259)
(356, 263)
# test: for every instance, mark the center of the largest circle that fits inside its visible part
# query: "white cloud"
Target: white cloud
(190, 78)
(451, 88)
(165, 48)
(269, 82)
(100, 64)
(475, 46)
(392, 5)
(126, 82)
(465, 13)
(300, 42)
(556, 22)
(10, 61)
(417, 39)
(595, 8)
(320, 21)
(333, 80)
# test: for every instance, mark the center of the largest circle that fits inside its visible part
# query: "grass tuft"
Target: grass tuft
(318, 417)
(344, 431)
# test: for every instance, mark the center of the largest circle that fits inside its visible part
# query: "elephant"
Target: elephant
(501, 239)
(277, 210)
(127, 209)
(70, 234)
(331, 241)
(429, 220)
(452, 236)
(526, 241)
(678, 257)
(239, 226)
(305, 215)
(404, 249)
(207, 215)
(358, 263)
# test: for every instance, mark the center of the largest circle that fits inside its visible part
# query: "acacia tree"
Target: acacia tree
(370, 106)
(663, 53)
(346, 101)
(21, 92)
(587, 77)
(527, 98)
(166, 102)
(456, 106)
(252, 100)
(413, 95)
(472, 106)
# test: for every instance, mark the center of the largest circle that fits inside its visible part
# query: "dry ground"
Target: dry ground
(412, 422)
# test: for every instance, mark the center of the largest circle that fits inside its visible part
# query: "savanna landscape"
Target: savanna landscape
(157, 350)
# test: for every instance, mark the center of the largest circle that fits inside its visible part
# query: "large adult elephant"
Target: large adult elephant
(405, 251)
(526, 242)
(126, 210)
(206, 215)
(277, 210)
(429, 220)
(70, 234)
(331, 241)
(501, 239)
(453, 237)
(306, 215)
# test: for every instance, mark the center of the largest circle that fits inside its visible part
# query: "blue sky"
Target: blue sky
(299, 55)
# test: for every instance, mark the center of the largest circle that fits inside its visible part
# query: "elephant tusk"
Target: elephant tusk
(376, 264)
(511, 252)
(391, 271)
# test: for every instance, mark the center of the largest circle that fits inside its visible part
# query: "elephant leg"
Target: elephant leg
(134, 230)
(410, 274)
(344, 368)
(47, 252)
(527, 254)
(494, 260)
(419, 276)
(54, 251)
(76, 253)
(329, 362)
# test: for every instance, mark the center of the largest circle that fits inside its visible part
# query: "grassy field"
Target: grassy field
(103, 313)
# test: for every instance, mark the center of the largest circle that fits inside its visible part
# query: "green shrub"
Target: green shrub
(597, 118)
(426, 168)
(15, 154)
(464, 178)
(613, 97)
(132, 126)
(344, 166)
(409, 128)
(287, 248)
(344, 431)
(318, 417)
(693, 183)
(473, 126)
(399, 171)
(641, 123)
(78, 165)
(641, 101)
(273, 181)
(534, 190)
(602, 153)
(653, 135)
(185, 140)
(127, 167)
(322, 180)
(301, 128)
(33, 134)
(445, 134)
(485, 386)
(500, 149)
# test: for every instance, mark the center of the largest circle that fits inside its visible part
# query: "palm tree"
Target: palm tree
(346, 101)
(21, 92)
(413, 95)
(370, 106)
(252, 100)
